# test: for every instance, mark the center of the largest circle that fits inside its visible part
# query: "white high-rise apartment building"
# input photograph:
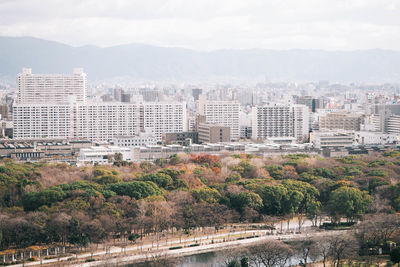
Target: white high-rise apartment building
(162, 117)
(103, 121)
(63, 112)
(51, 88)
(224, 113)
(34, 121)
(98, 121)
(93, 121)
(280, 121)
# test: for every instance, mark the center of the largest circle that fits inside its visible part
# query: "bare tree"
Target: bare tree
(342, 247)
(301, 219)
(304, 248)
(321, 250)
(270, 254)
(270, 221)
(161, 260)
(376, 230)
(231, 255)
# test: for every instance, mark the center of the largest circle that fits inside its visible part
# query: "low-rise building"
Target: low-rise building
(321, 140)
(130, 141)
(60, 150)
(183, 138)
(100, 155)
(213, 133)
(375, 138)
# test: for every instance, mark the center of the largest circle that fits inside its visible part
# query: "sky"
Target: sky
(208, 24)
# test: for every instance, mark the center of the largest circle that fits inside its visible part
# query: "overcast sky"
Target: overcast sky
(208, 24)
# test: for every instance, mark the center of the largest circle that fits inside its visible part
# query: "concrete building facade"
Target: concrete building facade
(55, 106)
(213, 133)
(280, 121)
(97, 121)
(51, 88)
(340, 121)
(224, 113)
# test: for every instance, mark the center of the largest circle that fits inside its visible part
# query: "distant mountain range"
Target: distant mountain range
(142, 63)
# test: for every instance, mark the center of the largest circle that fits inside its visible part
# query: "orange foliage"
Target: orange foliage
(204, 158)
(191, 180)
(263, 173)
(243, 156)
(216, 170)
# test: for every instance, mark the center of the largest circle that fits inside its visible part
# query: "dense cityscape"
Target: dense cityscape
(62, 118)
(174, 133)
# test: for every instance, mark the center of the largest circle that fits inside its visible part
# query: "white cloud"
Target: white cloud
(208, 24)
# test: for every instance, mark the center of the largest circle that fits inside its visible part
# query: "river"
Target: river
(215, 259)
(210, 259)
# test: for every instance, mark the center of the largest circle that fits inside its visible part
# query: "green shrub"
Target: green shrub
(392, 154)
(135, 189)
(209, 195)
(379, 173)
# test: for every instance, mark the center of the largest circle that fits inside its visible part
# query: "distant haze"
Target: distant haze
(142, 63)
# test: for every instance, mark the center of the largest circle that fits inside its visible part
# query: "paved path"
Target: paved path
(143, 251)
(210, 243)
(203, 248)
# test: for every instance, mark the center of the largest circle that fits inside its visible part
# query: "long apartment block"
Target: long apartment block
(48, 110)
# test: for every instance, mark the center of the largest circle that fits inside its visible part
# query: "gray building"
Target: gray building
(183, 138)
(312, 103)
(196, 93)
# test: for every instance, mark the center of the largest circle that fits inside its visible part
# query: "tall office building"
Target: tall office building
(51, 88)
(225, 113)
(280, 121)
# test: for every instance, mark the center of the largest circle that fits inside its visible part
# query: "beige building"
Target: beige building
(342, 121)
(213, 133)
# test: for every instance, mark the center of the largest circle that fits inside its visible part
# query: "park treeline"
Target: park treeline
(44, 203)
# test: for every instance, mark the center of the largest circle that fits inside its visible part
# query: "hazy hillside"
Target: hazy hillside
(146, 63)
